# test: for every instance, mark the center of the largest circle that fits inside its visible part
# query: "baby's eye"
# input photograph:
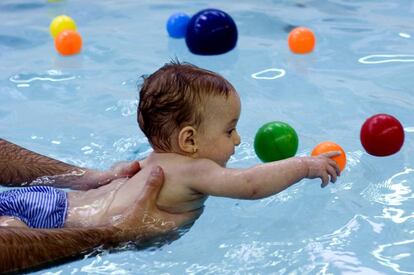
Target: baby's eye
(229, 132)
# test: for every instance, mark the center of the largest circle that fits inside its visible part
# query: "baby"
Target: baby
(189, 116)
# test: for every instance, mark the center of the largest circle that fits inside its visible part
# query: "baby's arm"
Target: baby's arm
(262, 180)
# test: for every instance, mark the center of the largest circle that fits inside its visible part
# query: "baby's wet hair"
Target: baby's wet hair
(173, 97)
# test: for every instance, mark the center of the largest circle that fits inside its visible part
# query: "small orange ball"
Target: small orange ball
(301, 40)
(328, 146)
(68, 42)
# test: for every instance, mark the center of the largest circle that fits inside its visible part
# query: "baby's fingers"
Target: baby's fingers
(331, 154)
(332, 173)
(325, 179)
(335, 166)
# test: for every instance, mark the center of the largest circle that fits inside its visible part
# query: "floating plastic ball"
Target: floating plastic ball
(61, 23)
(68, 42)
(211, 31)
(382, 135)
(328, 146)
(275, 141)
(301, 40)
(177, 25)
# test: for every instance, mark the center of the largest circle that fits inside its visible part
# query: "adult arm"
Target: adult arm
(20, 166)
(22, 248)
(262, 180)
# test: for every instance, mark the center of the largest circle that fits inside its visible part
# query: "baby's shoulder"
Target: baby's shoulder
(198, 167)
(178, 164)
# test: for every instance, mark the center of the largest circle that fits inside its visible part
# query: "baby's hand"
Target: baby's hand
(323, 167)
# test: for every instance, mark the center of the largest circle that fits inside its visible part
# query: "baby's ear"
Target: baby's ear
(187, 140)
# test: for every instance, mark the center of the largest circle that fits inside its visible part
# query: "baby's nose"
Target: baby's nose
(237, 139)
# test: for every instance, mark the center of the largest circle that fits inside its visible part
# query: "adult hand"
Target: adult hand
(85, 179)
(94, 179)
(23, 248)
(145, 221)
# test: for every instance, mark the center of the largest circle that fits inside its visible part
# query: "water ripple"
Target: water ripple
(341, 236)
(126, 107)
(386, 58)
(274, 73)
(21, 6)
(124, 145)
(13, 41)
(405, 35)
(51, 75)
(397, 256)
(400, 190)
(100, 266)
(396, 215)
(409, 129)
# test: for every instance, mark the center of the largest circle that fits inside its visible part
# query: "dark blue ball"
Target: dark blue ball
(211, 31)
(177, 24)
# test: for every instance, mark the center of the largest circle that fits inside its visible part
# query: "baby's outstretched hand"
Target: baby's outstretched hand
(323, 167)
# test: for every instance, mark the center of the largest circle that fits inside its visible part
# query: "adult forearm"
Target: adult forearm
(19, 165)
(22, 248)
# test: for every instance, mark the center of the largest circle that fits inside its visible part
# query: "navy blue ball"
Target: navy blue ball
(177, 24)
(211, 31)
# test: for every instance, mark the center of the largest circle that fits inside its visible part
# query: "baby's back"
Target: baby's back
(99, 206)
(175, 195)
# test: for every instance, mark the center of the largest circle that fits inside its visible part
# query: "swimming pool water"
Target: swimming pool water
(82, 109)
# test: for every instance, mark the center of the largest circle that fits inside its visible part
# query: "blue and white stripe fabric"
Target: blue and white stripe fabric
(37, 206)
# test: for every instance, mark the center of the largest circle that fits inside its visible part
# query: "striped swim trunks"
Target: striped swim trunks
(36, 206)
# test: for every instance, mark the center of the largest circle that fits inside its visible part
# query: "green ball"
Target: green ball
(275, 141)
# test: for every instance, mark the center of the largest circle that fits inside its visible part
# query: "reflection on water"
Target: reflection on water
(386, 58)
(393, 191)
(396, 215)
(51, 75)
(269, 74)
(397, 256)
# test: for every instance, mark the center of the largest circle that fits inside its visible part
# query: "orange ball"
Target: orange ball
(328, 146)
(301, 40)
(68, 42)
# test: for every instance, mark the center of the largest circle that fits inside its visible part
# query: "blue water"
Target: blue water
(82, 110)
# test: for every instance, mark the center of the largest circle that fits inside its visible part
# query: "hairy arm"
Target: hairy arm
(261, 180)
(22, 248)
(20, 166)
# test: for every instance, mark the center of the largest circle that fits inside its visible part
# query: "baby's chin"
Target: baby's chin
(224, 165)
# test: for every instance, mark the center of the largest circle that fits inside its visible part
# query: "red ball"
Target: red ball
(382, 135)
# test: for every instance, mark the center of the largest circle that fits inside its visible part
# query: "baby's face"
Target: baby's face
(218, 136)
